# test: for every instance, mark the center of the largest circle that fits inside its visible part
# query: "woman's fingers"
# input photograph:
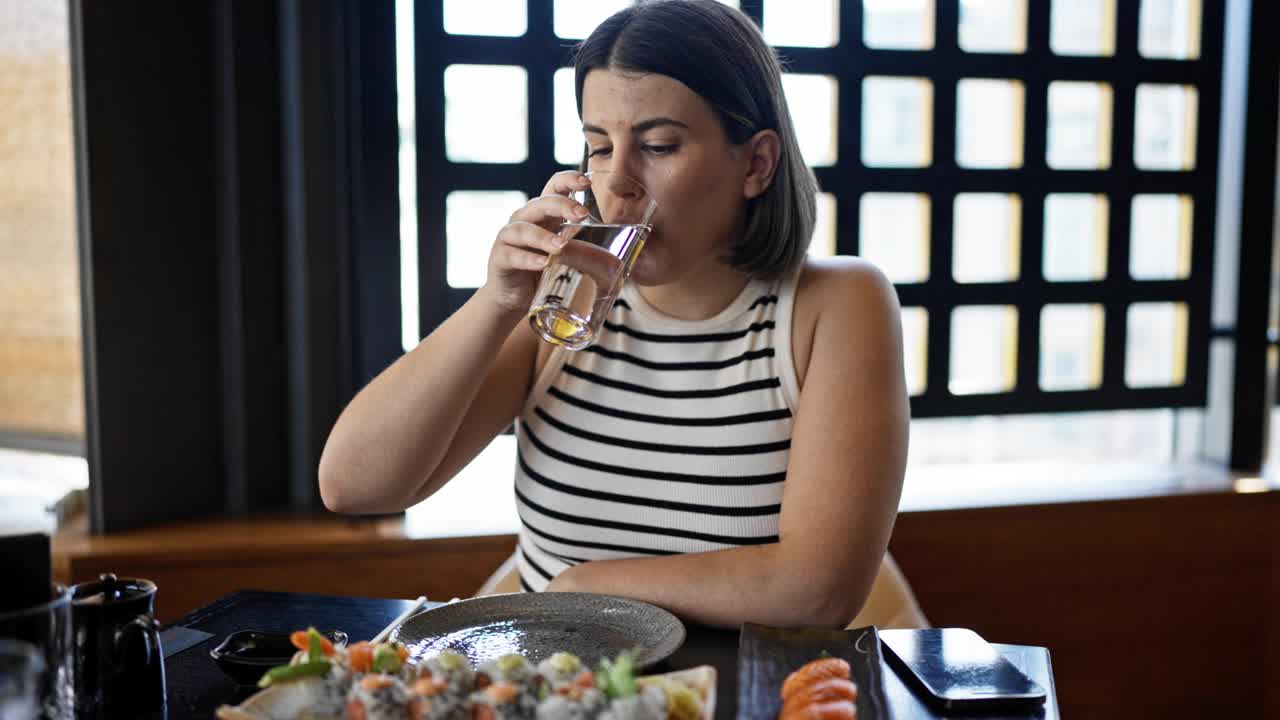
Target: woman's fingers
(550, 210)
(565, 182)
(530, 236)
(512, 258)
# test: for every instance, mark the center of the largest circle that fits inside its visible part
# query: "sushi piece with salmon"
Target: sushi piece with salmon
(820, 690)
(378, 697)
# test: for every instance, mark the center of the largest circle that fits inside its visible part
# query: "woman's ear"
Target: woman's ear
(763, 151)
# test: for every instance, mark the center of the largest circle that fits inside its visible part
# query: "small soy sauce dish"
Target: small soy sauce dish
(245, 655)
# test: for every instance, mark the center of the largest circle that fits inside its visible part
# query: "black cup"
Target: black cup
(47, 627)
(119, 666)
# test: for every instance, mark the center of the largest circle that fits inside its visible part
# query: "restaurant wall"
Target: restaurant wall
(1156, 607)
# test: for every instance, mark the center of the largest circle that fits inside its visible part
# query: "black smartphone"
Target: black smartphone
(956, 669)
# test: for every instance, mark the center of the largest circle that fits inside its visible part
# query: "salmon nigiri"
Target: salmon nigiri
(826, 690)
(842, 710)
(812, 672)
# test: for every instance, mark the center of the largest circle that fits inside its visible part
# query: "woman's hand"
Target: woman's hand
(525, 243)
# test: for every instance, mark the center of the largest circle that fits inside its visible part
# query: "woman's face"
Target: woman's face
(658, 131)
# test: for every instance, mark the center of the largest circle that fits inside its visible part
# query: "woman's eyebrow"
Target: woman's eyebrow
(639, 127)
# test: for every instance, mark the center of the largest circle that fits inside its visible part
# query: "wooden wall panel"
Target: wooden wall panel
(196, 563)
(1155, 607)
(438, 569)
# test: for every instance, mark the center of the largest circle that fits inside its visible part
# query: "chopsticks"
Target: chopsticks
(413, 608)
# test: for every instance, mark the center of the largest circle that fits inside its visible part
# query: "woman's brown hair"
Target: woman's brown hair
(718, 52)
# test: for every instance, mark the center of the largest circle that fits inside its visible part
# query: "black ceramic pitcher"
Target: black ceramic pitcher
(119, 664)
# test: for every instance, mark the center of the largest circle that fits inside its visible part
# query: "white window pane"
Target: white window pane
(483, 482)
(472, 221)
(1160, 237)
(989, 123)
(984, 349)
(824, 229)
(1079, 126)
(1062, 441)
(897, 122)
(1156, 345)
(915, 347)
(486, 110)
(995, 26)
(802, 23)
(1071, 347)
(575, 19)
(1165, 127)
(1075, 237)
(897, 24)
(1083, 27)
(812, 102)
(569, 139)
(987, 237)
(1170, 29)
(505, 18)
(893, 233)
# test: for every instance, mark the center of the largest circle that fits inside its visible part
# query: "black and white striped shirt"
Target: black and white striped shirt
(667, 436)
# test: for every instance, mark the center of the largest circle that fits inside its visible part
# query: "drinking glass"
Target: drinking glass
(47, 627)
(21, 680)
(581, 282)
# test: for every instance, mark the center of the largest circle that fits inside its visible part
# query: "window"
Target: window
(1046, 217)
(1038, 211)
(41, 390)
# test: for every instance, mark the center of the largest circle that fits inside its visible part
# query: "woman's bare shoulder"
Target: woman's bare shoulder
(824, 280)
(850, 289)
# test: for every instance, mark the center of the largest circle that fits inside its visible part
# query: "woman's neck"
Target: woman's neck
(699, 294)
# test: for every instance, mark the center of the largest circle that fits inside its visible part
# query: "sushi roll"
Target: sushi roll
(331, 698)
(650, 703)
(440, 688)
(579, 705)
(378, 697)
(510, 668)
(502, 700)
(451, 668)
(573, 693)
(573, 702)
(561, 669)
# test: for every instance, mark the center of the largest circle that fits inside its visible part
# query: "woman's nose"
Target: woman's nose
(626, 164)
(620, 185)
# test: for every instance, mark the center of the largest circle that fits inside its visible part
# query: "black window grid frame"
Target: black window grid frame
(541, 53)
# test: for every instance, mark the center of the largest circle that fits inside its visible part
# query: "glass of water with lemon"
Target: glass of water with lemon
(581, 282)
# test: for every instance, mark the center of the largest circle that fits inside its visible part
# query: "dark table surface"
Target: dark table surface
(196, 687)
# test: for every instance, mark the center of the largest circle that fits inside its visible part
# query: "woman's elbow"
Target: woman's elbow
(331, 487)
(335, 474)
(830, 603)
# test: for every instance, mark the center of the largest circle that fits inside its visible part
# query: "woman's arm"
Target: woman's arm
(844, 480)
(421, 420)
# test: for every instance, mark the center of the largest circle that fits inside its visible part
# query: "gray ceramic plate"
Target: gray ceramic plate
(538, 624)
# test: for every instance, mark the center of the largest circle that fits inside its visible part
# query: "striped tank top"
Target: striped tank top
(667, 436)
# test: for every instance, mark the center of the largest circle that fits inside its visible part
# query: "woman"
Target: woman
(733, 447)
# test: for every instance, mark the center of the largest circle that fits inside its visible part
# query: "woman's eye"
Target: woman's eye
(599, 152)
(660, 149)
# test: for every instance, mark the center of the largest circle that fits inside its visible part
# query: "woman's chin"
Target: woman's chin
(648, 269)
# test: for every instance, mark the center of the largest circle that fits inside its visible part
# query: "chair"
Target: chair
(890, 604)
